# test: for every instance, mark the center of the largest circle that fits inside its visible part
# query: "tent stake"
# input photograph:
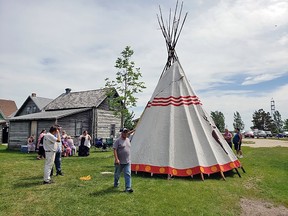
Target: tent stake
(223, 176)
(202, 176)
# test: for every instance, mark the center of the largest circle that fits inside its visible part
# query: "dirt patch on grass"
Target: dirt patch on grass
(261, 208)
(261, 142)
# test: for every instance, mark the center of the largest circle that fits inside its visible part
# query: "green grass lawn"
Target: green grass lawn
(22, 191)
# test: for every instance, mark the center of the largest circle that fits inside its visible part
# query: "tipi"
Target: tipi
(174, 135)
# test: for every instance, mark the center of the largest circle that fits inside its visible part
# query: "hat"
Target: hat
(125, 130)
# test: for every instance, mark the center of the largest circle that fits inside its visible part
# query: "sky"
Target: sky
(233, 52)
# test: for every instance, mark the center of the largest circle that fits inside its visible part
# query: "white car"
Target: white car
(260, 133)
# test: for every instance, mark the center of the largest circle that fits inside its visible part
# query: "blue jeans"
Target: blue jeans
(127, 175)
(57, 162)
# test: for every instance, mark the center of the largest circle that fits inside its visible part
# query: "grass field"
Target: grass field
(22, 191)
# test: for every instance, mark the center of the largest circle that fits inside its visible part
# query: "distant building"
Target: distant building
(33, 104)
(7, 110)
(73, 111)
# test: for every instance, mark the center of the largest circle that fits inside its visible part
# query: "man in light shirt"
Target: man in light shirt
(50, 147)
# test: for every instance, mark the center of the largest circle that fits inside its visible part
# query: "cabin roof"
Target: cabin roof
(7, 107)
(57, 114)
(82, 99)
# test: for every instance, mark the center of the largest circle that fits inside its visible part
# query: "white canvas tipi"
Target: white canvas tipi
(175, 136)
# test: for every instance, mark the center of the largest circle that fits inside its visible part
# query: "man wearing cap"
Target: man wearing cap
(121, 148)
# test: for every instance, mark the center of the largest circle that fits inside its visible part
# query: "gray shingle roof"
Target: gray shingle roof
(48, 115)
(41, 102)
(83, 99)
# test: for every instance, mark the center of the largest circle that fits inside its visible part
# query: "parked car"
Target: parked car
(282, 135)
(279, 135)
(260, 133)
(269, 133)
(249, 134)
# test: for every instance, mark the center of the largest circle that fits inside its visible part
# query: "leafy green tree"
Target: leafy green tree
(238, 123)
(128, 123)
(127, 84)
(285, 127)
(219, 120)
(277, 121)
(263, 121)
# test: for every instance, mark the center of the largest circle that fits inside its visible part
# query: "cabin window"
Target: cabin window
(28, 110)
(78, 128)
(34, 109)
(112, 130)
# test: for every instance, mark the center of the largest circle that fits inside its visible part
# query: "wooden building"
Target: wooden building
(74, 112)
(7, 110)
(33, 104)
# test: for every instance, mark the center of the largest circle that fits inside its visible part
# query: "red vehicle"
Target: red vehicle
(248, 134)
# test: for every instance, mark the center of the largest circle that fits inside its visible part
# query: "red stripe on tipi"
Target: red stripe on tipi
(185, 172)
(175, 101)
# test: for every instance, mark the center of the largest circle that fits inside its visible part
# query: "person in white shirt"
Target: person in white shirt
(84, 144)
(50, 147)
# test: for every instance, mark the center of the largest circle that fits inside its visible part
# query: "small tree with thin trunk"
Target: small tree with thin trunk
(219, 120)
(238, 123)
(127, 84)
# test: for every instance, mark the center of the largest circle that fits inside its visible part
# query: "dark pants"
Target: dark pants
(83, 151)
(41, 152)
(230, 144)
(57, 163)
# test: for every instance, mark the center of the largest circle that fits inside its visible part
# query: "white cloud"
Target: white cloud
(260, 78)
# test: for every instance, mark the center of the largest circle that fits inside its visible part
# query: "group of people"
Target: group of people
(68, 147)
(236, 140)
(121, 151)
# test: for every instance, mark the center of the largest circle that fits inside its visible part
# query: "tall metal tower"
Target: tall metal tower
(272, 107)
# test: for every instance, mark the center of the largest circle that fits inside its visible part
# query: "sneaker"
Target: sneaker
(48, 182)
(129, 190)
(240, 156)
(60, 173)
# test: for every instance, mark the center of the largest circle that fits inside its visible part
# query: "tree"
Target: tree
(285, 127)
(263, 121)
(126, 85)
(128, 123)
(219, 120)
(277, 121)
(238, 123)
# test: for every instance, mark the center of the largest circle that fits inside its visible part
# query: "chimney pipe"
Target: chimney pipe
(68, 90)
(33, 94)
